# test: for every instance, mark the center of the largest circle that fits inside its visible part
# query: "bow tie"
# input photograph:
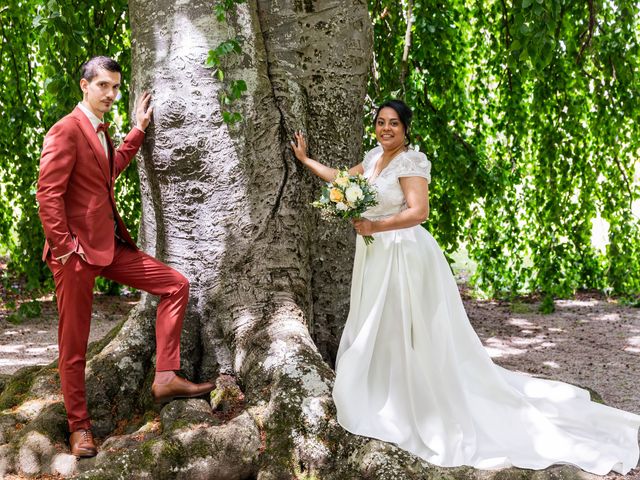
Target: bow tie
(103, 127)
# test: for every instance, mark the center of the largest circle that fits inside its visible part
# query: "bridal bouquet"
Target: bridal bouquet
(347, 197)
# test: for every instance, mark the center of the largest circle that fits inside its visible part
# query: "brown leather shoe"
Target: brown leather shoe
(179, 388)
(82, 444)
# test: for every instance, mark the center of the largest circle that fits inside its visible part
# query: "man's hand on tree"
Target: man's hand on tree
(143, 111)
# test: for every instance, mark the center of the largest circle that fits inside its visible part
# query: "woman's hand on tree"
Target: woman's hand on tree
(299, 147)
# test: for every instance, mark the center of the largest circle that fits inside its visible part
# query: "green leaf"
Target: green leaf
(213, 59)
(220, 12)
(237, 88)
(53, 86)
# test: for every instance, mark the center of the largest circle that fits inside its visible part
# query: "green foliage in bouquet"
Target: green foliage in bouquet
(346, 197)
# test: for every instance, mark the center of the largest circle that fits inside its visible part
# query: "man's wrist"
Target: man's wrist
(139, 128)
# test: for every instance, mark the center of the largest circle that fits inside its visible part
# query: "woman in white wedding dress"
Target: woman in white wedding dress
(411, 370)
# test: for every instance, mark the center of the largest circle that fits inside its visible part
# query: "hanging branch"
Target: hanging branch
(589, 32)
(507, 40)
(16, 69)
(626, 180)
(613, 68)
(375, 75)
(5, 40)
(407, 45)
(427, 101)
(113, 32)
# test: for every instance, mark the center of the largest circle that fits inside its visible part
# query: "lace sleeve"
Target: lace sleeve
(414, 164)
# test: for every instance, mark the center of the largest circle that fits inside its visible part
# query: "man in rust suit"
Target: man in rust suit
(86, 238)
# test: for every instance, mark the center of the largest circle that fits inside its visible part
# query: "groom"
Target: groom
(86, 238)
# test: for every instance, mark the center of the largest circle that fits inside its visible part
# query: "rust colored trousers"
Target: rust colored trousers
(74, 291)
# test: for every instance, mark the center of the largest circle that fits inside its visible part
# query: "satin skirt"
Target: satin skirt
(411, 370)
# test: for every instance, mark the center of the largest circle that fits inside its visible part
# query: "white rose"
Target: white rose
(342, 206)
(354, 193)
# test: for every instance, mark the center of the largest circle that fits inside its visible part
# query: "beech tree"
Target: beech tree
(227, 204)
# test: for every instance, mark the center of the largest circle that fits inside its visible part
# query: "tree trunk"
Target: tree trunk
(228, 206)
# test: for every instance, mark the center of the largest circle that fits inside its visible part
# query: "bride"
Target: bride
(411, 370)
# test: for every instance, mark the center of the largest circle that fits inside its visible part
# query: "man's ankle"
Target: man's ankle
(164, 376)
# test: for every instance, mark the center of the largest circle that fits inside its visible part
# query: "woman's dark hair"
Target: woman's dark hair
(404, 113)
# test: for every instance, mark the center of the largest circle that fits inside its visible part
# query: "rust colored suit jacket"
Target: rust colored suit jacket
(75, 190)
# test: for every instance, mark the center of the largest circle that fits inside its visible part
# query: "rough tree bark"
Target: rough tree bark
(229, 207)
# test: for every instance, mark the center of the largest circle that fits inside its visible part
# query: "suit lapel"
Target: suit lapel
(94, 142)
(112, 156)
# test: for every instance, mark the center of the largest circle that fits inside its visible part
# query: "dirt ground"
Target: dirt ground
(590, 340)
(34, 341)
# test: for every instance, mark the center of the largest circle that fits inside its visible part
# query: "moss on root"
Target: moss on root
(17, 388)
(4, 379)
(51, 422)
(157, 458)
(182, 414)
(96, 347)
(140, 462)
(278, 429)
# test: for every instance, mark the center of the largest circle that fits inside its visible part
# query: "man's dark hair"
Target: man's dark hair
(404, 113)
(90, 68)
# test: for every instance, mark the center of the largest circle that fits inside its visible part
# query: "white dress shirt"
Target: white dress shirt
(95, 121)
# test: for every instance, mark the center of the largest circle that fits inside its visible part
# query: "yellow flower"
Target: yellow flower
(342, 181)
(336, 195)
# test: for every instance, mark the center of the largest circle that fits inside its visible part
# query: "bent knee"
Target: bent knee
(182, 282)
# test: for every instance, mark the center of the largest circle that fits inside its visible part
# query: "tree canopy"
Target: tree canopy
(526, 109)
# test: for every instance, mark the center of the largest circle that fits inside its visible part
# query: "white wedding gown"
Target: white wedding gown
(411, 370)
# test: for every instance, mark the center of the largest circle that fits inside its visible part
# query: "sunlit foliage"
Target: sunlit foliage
(529, 112)
(527, 109)
(43, 46)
